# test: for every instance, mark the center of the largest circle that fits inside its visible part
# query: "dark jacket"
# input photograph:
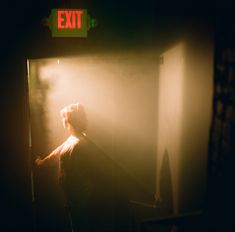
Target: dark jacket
(92, 184)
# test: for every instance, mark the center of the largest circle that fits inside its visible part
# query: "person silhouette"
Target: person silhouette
(89, 178)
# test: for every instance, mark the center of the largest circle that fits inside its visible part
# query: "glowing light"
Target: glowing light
(58, 61)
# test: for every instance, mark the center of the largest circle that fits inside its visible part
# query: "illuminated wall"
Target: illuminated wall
(171, 78)
(184, 115)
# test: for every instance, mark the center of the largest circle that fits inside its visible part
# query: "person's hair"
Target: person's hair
(75, 115)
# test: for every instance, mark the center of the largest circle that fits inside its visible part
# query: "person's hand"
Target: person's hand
(39, 162)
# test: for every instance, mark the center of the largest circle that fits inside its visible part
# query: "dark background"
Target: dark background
(121, 23)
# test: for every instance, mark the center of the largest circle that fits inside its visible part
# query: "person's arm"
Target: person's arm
(52, 156)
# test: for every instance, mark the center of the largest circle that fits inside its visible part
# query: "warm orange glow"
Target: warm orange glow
(120, 93)
(117, 97)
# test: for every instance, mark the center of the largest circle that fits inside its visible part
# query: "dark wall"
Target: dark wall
(221, 173)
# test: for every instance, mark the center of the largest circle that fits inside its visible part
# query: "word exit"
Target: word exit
(70, 19)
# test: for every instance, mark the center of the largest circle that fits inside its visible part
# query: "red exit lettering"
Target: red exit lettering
(69, 19)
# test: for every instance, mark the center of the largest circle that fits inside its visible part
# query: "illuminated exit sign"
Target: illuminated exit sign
(70, 22)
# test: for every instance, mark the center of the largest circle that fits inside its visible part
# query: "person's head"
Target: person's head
(74, 118)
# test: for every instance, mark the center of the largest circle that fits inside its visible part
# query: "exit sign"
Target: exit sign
(70, 22)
